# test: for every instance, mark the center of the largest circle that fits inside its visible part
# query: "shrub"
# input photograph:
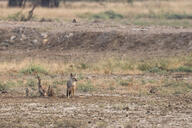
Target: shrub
(144, 67)
(3, 87)
(16, 16)
(83, 66)
(107, 15)
(183, 69)
(177, 87)
(34, 69)
(124, 83)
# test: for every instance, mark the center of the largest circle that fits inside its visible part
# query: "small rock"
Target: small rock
(4, 91)
(45, 41)
(44, 35)
(69, 35)
(74, 21)
(147, 112)
(126, 108)
(35, 41)
(153, 90)
(89, 122)
(13, 38)
(23, 37)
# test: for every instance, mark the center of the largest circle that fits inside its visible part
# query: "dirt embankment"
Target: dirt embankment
(26, 37)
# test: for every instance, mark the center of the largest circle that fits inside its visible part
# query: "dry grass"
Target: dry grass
(104, 70)
(111, 65)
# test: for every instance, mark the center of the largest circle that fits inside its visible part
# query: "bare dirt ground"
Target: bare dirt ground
(102, 108)
(97, 111)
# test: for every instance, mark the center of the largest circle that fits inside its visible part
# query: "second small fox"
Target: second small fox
(71, 85)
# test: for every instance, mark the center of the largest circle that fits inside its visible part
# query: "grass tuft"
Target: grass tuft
(106, 15)
(176, 87)
(34, 69)
(85, 87)
(3, 87)
(183, 69)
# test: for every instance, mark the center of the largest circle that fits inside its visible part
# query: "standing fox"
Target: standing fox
(71, 85)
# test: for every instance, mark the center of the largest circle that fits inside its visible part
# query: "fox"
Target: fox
(71, 85)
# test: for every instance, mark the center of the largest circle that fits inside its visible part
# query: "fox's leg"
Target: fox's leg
(73, 90)
(70, 92)
(67, 93)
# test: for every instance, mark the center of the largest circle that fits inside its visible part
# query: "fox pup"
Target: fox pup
(71, 85)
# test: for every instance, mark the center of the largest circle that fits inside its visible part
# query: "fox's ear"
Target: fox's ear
(71, 75)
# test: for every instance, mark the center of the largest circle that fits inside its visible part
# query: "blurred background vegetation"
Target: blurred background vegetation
(177, 13)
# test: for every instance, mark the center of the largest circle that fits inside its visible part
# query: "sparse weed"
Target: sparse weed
(83, 66)
(183, 69)
(176, 87)
(144, 67)
(86, 87)
(127, 82)
(3, 87)
(111, 88)
(69, 124)
(105, 15)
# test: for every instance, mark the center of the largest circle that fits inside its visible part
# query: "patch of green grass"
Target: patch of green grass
(154, 67)
(160, 22)
(106, 15)
(165, 15)
(83, 66)
(125, 82)
(176, 87)
(144, 67)
(86, 87)
(34, 69)
(3, 87)
(19, 16)
(183, 69)
(179, 16)
(111, 88)
(16, 16)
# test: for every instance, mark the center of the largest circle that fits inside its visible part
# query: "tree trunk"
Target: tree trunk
(45, 3)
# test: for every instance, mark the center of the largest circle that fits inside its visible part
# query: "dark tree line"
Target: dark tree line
(43, 3)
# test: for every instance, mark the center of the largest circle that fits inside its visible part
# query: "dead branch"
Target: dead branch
(50, 91)
(42, 92)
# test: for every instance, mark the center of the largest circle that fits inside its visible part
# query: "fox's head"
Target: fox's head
(73, 77)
